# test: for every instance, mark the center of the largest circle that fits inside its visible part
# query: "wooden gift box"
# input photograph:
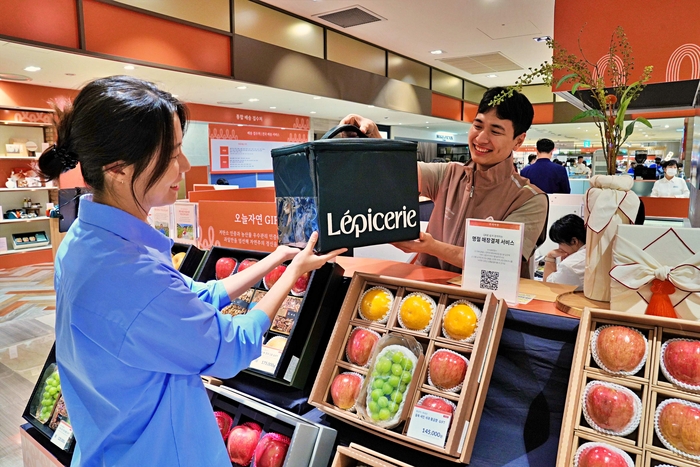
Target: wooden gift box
(356, 455)
(481, 354)
(314, 311)
(649, 384)
(310, 445)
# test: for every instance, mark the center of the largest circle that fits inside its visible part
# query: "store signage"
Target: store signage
(586, 143)
(492, 257)
(443, 136)
(186, 223)
(429, 426)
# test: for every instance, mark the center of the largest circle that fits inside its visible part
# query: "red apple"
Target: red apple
(436, 403)
(610, 407)
(224, 421)
(602, 455)
(242, 442)
(273, 276)
(301, 284)
(271, 450)
(620, 348)
(679, 423)
(224, 267)
(345, 390)
(682, 361)
(360, 346)
(447, 369)
(246, 263)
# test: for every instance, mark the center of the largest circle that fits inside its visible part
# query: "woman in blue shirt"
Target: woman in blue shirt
(132, 333)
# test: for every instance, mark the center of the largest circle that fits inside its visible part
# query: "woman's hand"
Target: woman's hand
(366, 126)
(306, 260)
(285, 253)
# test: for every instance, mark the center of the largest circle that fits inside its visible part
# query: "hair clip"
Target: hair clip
(68, 159)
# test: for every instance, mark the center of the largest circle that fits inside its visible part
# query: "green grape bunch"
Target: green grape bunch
(390, 378)
(52, 389)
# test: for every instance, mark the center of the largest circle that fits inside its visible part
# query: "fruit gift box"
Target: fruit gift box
(46, 409)
(294, 338)
(359, 456)
(411, 362)
(634, 392)
(259, 434)
(187, 258)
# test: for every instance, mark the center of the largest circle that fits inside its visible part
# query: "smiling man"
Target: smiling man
(486, 187)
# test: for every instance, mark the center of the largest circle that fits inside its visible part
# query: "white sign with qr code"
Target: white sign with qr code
(492, 257)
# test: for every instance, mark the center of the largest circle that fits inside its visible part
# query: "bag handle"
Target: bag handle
(336, 130)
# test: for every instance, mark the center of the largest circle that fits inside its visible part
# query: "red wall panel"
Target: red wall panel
(115, 31)
(446, 107)
(50, 21)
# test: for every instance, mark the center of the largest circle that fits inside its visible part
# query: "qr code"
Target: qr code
(489, 280)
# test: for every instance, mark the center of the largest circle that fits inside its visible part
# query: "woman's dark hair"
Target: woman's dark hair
(115, 119)
(671, 162)
(516, 108)
(567, 228)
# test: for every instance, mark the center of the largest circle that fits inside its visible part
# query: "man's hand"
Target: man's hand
(366, 126)
(558, 253)
(423, 244)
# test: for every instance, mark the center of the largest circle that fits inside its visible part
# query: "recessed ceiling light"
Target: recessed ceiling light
(492, 76)
(129, 67)
(241, 87)
(578, 128)
(427, 127)
(437, 52)
(400, 123)
(253, 100)
(370, 106)
(665, 126)
(312, 112)
(229, 103)
(316, 98)
(427, 122)
(32, 68)
(273, 107)
(542, 39)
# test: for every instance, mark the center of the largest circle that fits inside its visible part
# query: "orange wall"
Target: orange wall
(446, 107)
(48, 21)
(657, 31)
(31, 96)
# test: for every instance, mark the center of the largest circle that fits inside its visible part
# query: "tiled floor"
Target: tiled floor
(27, 314)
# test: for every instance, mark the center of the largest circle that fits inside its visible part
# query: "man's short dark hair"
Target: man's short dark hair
(671, 162)
(516, 108)
(580, 157)
(545, 145)
(567, 228)
(658, 159)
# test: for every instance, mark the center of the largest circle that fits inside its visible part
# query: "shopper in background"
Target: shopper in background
(133, 335)
(570, 233)
(544, 174)
(581, 167)
(630, 171)
(486, 187)
(670, 186)
(531, 159)
(658, 166)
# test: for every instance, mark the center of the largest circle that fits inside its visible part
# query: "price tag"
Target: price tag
(268, 360)
(63, 435)
(429, 426)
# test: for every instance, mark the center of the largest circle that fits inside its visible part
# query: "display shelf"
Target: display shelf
(31, 219)
(24, 250)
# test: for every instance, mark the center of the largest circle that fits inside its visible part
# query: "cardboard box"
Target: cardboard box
(640, 253)
(355, 455)
(482, 353)
(301, 320)
(649, 384)
(311, 444)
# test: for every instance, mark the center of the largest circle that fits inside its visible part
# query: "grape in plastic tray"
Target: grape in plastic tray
(392, 368)
(45, 400)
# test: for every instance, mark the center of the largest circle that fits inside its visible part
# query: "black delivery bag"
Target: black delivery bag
(353, 191)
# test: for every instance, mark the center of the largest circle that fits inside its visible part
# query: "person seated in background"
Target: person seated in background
(570, 233)
(670, 186)
(558, 162)
(581, 167)
(487, 187)
(550, 177)
(630, 171)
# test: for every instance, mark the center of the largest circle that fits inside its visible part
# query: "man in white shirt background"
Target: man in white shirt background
(670, 186)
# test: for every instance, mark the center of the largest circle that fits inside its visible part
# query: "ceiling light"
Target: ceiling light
(241, 87)
(312, 112)
(229, 103)
(32, 68)
(492, 76)
(578, 128)
(665, 126)
(542, 39)
(273, 107)
(13, 77)
(370, 106)
(427, 122)
(316, 98)
(129, 67)
(427, 127)
(437, 52)
(253, 100)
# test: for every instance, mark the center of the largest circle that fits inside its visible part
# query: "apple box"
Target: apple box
(291, 345)
(353, 191)
(658, 374)
(412, 359)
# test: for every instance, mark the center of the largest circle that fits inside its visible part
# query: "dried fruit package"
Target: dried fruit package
(393, 365)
